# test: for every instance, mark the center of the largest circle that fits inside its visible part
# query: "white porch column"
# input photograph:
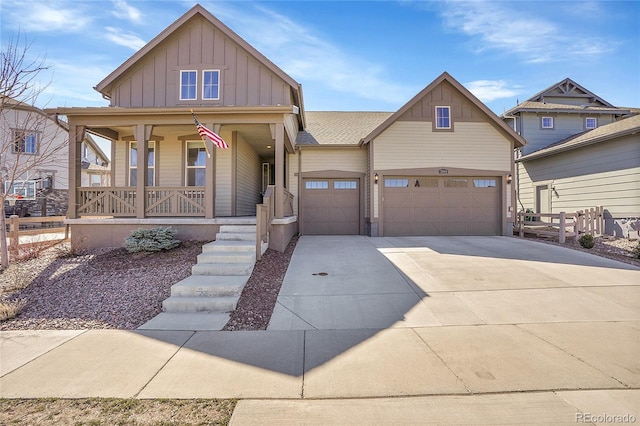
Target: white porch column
(210, 177)
(142, 134)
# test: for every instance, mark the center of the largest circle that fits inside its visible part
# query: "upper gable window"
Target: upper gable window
(188, 85)
(590, 123)
(547, 122)
(25, 142)
(211, 84)
(443, 117)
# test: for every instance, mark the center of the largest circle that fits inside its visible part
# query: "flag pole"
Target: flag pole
(204, 142)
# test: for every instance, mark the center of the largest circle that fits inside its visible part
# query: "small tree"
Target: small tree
(30, 140)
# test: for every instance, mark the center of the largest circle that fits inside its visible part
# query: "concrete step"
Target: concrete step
(210, 286)
(236, 236)
(188, 321)
(222, 268)
(227, 257)
(238, 228)
(199, 304)
(229, 246)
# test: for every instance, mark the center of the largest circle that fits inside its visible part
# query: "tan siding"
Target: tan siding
(462, 109)
(248, 178)
(293, 188)
(169, 171)
(120, 163)
(223, 177)
(345, 159)
(199, 46)
(412, 144)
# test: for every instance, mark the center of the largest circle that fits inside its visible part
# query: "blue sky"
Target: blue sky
(356, 55)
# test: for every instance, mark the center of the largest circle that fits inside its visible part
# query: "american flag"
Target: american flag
(204, 131)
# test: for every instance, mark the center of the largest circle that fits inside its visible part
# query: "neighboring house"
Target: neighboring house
(441, 165)
(581, 152)
(95, 164)
(35, 157)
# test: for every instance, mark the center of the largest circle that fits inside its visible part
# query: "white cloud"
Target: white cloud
(124, 38)
(490, 90)
(500, 26)
(123, 10)
(42, 17)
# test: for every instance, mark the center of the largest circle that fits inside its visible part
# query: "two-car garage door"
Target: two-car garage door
(433, 205)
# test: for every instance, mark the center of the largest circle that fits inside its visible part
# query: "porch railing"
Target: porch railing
(264, 215)
(160, 201)
(563, 225)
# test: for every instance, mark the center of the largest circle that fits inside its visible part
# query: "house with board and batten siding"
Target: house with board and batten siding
(581, 152)
(441, 165)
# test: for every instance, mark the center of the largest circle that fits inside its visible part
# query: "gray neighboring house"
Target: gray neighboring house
(581, 152)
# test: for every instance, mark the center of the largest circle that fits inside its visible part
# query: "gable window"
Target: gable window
(547, 122)
(25, 142)
(196, 164)
(443, 117)
(188, 85)
(133, 164)
(211, 84)
(590, 123)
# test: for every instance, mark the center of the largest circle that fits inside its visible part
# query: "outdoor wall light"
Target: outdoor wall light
(375, 178)
(509, 178)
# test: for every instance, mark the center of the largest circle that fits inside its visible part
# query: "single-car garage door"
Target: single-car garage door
(434, 205)
(331, 207)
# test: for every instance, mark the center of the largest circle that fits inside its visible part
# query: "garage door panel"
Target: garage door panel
(331, 207)
(442, 206)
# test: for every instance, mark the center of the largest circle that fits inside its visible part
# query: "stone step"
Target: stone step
(222, 268)
(199, 304)
(229, 246)
(236, 236)
(187, 321)
(210, 286)
(229, 257)
(238, 228)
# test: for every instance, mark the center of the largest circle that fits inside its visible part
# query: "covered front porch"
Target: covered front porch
(184, 182)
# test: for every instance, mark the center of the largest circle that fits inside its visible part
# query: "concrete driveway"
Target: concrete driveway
(357, 282)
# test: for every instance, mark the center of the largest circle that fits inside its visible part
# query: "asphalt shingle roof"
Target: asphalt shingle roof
(339, 127)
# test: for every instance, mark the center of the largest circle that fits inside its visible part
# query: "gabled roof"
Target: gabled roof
(519, 141)
(570, 88)
(338, 127)
(104, 86)
(624, 127)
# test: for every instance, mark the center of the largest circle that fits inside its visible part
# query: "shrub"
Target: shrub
(636, 251)
(150, 240)
(11, 308)
(587, 241)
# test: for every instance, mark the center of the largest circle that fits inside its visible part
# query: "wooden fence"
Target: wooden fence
(264, 216)
(563, 225)
(35, 226)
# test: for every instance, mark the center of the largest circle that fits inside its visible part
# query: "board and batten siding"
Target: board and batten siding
(199, 45)
(248, 179)
(413, 144)
(293, 174)
(606, 174)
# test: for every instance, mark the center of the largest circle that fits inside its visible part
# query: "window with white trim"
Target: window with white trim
(196, 164)
(547, 122)
(590, 123)
(25, 189)
(133, 164)
(443, 117)
(188, 85)
(211, 84)
(25, 142)
(396, 183)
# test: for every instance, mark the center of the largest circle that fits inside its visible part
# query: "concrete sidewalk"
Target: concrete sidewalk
(485, 339)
